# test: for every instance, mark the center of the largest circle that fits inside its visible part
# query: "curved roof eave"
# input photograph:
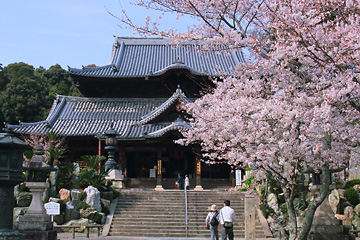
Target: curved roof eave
(178, 124)
(178, 66)
(156, 112)
(23, 124)
(102, 71)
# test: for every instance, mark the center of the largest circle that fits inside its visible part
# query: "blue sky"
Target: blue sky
(68, 32)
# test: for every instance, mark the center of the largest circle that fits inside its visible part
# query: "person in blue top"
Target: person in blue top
(180, 182)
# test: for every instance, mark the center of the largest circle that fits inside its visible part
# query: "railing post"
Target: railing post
(186, 213)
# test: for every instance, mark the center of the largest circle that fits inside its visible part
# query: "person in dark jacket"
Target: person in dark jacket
(180, 181)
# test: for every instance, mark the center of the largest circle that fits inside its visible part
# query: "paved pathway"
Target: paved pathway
(93, 236)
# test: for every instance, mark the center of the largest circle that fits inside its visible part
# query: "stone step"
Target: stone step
(206, 183)
(177, 232)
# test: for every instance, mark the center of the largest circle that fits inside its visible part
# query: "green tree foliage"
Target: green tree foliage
(27, 94)
(352, 196)
(24, 97)
(60, 82)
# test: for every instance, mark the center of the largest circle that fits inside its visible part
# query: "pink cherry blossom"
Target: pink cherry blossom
(292, 108)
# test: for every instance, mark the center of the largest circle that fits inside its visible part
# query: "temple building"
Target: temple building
(138, 94)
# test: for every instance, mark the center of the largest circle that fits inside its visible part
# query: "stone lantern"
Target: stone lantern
(36, 224)
(11, 158)
(111, 147)
(114, 175)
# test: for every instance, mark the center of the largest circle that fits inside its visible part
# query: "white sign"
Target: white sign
(152, 173)
(238, 177)
(52, 208)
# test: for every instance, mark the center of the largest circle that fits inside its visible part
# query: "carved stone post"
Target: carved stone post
(250, 212)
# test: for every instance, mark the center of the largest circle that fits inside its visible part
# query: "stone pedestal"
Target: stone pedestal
(159, 188)
(116, 177)
(37, 189)
(36, 224)
(12, 235)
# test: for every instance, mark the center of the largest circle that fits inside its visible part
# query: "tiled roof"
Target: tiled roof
(178, 95)
(144, 57)
(81, 116)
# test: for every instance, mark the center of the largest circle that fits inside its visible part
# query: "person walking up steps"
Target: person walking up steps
(227, 217)
(212, 220)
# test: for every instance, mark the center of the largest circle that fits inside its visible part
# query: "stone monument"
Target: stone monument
(325, 224)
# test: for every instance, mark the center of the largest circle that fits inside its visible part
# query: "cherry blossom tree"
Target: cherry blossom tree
(294, 107)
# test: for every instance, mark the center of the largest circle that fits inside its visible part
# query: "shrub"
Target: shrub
(116, 193)
(90, 177)
(105, 210)
(96, 217)
(249, 180)
(65, 176)
(351, 183)
(352, 196)
(92, 161)
(83, 196)
(264, 211)
(23, 188)
(262, 192)
(283, 209)
(82, 205)
(244, 189)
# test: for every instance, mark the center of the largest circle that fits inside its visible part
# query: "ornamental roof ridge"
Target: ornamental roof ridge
(143, 41)
(178, 65)
(178, 124)
(104, 99)
(178, 94)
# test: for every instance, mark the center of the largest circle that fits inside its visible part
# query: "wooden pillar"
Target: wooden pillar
(159, 172)
(198, 173)
(121, 161)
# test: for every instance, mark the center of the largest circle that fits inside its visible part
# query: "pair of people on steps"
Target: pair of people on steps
(181, 181)
(225, 217)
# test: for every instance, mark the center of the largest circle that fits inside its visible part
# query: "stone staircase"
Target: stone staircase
(149, 213)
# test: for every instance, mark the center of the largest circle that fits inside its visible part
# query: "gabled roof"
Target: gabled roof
(81, 116)
(177, 96)
(144, 57)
